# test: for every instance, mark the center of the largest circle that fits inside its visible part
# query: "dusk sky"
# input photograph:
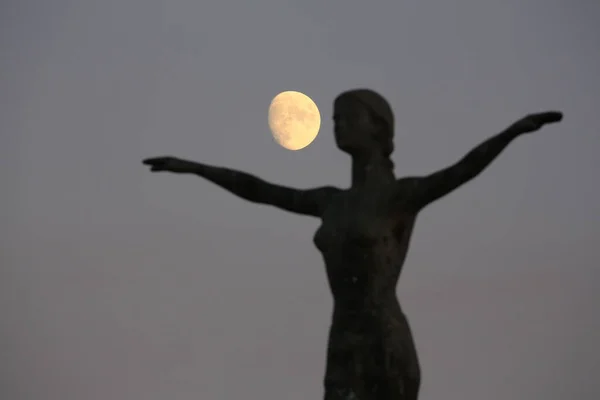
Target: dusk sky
(120, 284)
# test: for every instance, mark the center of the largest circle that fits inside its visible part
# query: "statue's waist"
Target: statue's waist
(370, 299)
(369, 309)
(364, 335)
(368, 337)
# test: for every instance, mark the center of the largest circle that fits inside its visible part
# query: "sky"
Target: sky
(121, 284)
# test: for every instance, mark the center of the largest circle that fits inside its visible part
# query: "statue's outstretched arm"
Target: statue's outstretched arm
(249, 187)
(425, 190)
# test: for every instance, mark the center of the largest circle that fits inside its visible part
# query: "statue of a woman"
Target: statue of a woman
(364, 238)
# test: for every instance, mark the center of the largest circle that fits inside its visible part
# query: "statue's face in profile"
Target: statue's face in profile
(354, 126)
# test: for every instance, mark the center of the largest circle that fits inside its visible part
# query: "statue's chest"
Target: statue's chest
(354, 219)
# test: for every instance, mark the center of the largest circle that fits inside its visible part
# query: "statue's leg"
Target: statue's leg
(408, 379)
(404, 371)
(401, 384)
(412, 375)
(399, 388)
(340, 393)
(411, 387)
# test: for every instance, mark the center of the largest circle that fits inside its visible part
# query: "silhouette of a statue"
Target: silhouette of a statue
(364, 238)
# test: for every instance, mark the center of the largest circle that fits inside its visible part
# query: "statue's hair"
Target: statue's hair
(381, 110)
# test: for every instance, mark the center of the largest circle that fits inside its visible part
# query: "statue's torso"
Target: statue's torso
(364, 239)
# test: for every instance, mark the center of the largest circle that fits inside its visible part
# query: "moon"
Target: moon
(294, 120)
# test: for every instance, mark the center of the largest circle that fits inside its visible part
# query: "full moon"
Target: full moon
(294, 120)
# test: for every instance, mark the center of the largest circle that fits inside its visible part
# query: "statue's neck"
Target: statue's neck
(371, 170)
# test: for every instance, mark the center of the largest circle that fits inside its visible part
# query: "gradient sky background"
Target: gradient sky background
(120, 284)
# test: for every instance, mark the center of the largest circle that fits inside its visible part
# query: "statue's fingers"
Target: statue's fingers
(149, 161)
(551, 117)
(156, 160)
(558, 116)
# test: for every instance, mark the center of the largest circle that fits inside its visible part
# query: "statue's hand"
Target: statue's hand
(167, 163)
(534, 122)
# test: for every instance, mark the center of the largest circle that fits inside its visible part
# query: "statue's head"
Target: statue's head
(363, 123)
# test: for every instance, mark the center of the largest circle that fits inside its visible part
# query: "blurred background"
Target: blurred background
(116, 283)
